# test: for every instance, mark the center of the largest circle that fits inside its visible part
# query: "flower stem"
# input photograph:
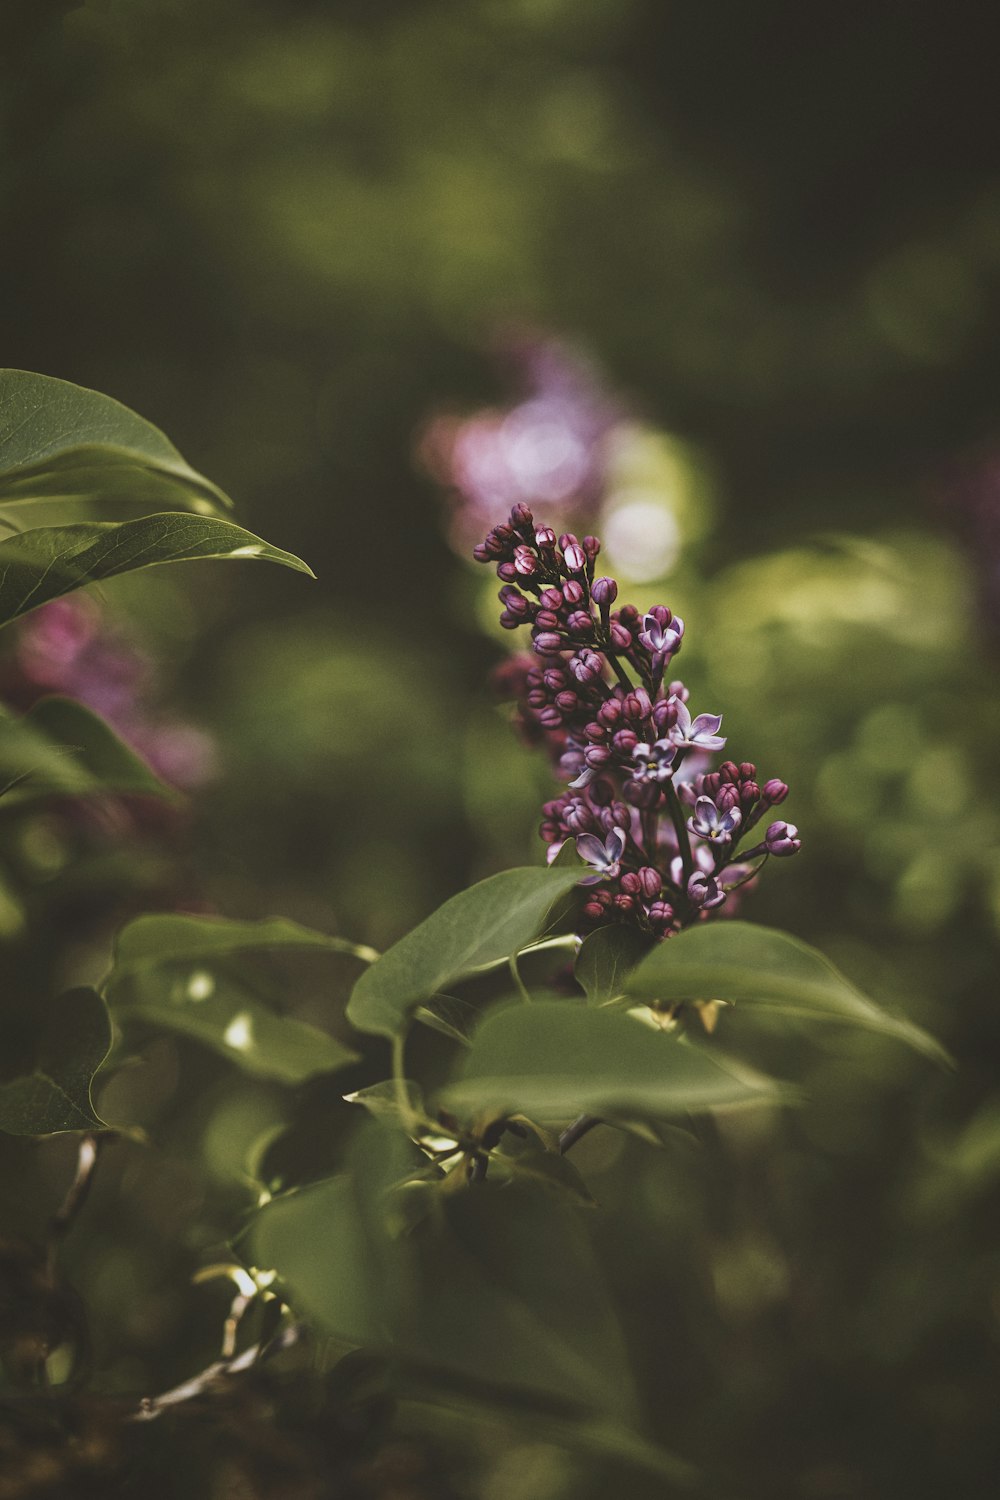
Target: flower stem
(680, 829)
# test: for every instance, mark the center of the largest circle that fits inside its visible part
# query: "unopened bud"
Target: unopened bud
(545, 537)
(774, 791)
(573, 592)
(621, 638)
(567, 701)
(729, 771)
(650, 882)
(592, 546)
(547, 643)
(782, 839)
(604, 592)
(575, 558)
(631, 884)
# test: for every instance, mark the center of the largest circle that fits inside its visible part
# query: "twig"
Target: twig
(76, 1196)
(151, 1407)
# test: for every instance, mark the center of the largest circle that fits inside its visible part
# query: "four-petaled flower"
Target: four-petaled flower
(604, 857)
(712, 824)
(654, 762)
(701, 733)
(661, 639)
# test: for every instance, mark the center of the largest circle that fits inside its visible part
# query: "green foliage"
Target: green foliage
(739, 961)
(605, 960)
(179, 973)
(73, 1041)
(476, 930)
(60, 748)
(63, 444)
(49, 561)
(552, 1061)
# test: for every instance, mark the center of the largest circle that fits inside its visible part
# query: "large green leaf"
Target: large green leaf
(496, 1285)
(60, 748)
(179, 936)
(55, 1095)
(606, 958)
(554, 1060)
(477, 929)
(63, 444)
(43, 564)
(181, 973)
(739, 961)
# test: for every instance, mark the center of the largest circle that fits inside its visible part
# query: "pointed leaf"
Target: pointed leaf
(180, 936)
(739, 961)
(43, 564)
(606, 958)
(64, 443)
(177, 972)
(55, 1096)
(554, 1060)
(477, 929)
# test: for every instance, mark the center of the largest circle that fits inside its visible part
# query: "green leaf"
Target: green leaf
(606, 958)
(61, 443)
(554, 1060)
(177, 972)
(739, 961)
(43, 564)
(74, 1041)
(475, 930)
(172, 936)
(60, 748)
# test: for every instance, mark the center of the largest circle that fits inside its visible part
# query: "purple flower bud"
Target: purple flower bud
(554, 679)
(749, 795)
(711, 785)
(507, 571)
(578, 816)
(545, 538)
(727, 798)
(748, 771)
(729, 772)
(642, 794)
(610, 712)
(580, 623)
(481, 552)
(586, 666)
(575, 558)
(550, 832)
(620, 816)
(677, 690)
(520, 517)
(631, 884)
(567, 539)
(597, 756)
(621, 639)
(623, 903)
(782, 839)
(510, 621)
(551, 599)
(592, 546)
(547, 643)
(547, 619)
(774, 791)
(661, 914)
(637, 704)
(573, 592)
(593, 910)
(550, 717)
(604, 592)
(567, 701)
(651, 882)
(625, 741)
(525, 562)
(595, 733)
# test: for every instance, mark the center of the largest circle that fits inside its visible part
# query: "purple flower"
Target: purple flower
(701, 733)
(661, 638)
(782, 839)
(604, 857)
(703, 891)
(654, 762)
(710, 823)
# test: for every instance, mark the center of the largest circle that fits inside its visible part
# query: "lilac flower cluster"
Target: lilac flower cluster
(660, 830)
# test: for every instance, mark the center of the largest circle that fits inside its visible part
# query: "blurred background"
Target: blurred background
(718, 282)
